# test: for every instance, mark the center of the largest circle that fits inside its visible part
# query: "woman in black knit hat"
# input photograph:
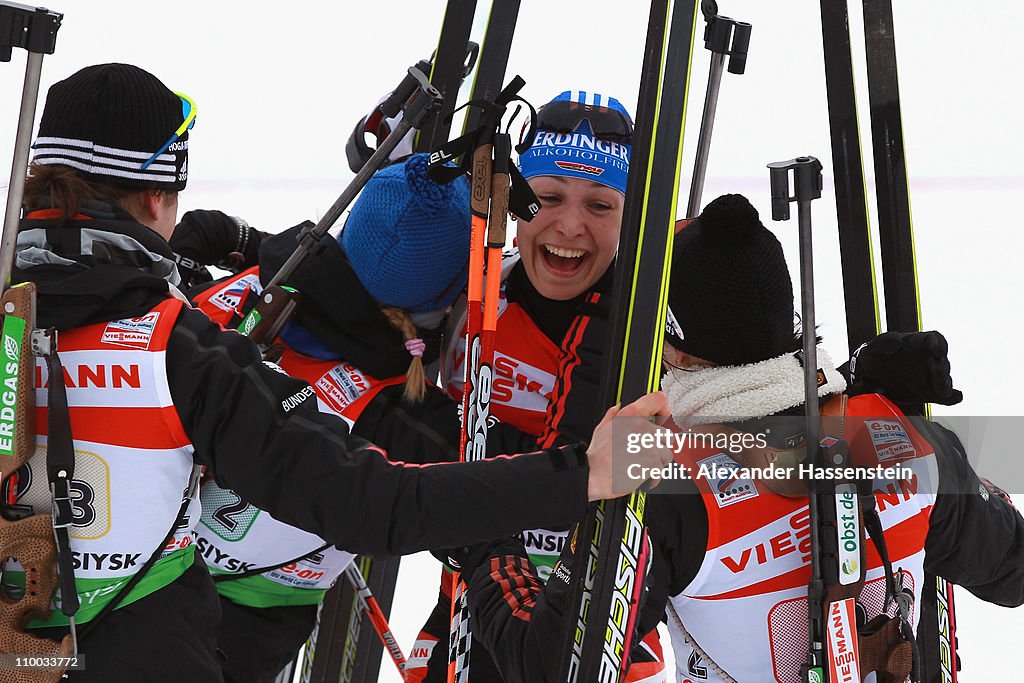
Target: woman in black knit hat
(730, 533)
(156, 391)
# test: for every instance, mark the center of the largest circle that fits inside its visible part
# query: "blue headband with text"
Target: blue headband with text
(577, 155)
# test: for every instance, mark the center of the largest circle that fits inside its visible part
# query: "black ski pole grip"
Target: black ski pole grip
(807, 183)
(740, 47)
(726, 36)
(398, 97)
(30, 28)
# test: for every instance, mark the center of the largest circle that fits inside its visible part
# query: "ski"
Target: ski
(859, 289)
(451, 64)
(612, 554)
(937, 630)
(493, 60)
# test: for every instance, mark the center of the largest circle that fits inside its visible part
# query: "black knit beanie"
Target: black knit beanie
(107, 120)
(730, 290)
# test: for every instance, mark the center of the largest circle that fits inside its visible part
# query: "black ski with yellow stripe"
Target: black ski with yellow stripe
(937, 631)
(612, 541)
(859, 288)
(450, 65)
(493, 60)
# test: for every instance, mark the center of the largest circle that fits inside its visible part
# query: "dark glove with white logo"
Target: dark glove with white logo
(213, 238)
(907, 367)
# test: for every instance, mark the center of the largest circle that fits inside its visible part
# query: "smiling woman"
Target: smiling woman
(570, 244)
(577, 167)
(552, 309)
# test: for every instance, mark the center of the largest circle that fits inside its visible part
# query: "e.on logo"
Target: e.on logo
(305, 574)
(890, 440)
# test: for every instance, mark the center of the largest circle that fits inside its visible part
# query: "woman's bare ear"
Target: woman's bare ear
(153, 202)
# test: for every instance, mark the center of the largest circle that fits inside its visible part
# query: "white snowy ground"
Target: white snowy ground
(279, 88)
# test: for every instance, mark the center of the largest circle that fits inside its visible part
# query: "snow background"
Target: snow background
(278, 93)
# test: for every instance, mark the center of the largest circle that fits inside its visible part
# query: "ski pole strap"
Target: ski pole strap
(873, 525)
(220, 578)
(522, 202)
(60, 465)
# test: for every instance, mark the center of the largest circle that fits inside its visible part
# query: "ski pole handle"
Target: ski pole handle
(807, 182)
(497, 223)
(263, 323)
(35, 30)
(724, 37)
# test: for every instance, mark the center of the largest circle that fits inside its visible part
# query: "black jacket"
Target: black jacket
(285, 456)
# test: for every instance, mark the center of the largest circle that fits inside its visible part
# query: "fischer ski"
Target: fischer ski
(452, 61)
(612, 553)
(416, 99)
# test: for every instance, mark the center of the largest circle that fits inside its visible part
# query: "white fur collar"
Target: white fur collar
(736, 392)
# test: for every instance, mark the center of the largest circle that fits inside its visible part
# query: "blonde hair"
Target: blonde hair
(415, 377)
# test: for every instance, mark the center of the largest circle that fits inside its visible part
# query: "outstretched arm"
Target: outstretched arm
(975, 536)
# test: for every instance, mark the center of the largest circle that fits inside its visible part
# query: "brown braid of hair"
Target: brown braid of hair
(415, 377)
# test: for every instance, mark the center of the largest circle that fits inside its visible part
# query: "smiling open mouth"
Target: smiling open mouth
(563, 260)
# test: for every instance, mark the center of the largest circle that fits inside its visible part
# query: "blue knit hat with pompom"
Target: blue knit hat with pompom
(407, 237)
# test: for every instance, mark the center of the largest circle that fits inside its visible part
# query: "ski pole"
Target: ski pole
(489, 266)
(491, 199)
(480, 325)
(807, 172)
(35, 30)
(836, 558)
(376, 614)
(724, 37)
(276, 303)
(41, 542)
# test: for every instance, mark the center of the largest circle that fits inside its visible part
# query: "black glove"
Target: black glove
(212, 238)
(907, 367)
